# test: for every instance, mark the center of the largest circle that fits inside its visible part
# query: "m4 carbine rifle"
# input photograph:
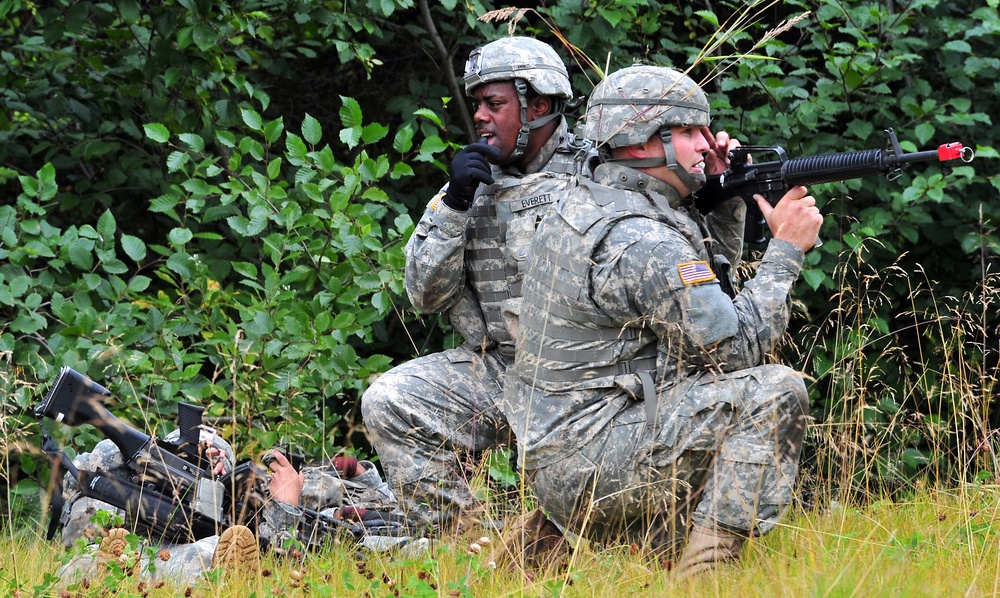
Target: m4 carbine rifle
(774, 179)
(172, 492)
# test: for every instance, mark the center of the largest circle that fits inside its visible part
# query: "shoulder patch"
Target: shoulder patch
(436, 200)
(695, 272)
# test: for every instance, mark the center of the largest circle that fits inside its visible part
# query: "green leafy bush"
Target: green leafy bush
(207, 201)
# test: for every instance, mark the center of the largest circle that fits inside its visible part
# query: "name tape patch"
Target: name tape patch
(695, 272)
(530, 202)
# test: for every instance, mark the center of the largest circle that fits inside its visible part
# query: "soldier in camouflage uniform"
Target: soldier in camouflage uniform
(324, 488)
(640, 397)
(465, 260)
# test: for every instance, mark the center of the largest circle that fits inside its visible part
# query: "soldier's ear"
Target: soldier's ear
(641, 150)
(542, 106)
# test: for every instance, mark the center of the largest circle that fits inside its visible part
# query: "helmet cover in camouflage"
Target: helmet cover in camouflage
(631, 105)
(518, 58)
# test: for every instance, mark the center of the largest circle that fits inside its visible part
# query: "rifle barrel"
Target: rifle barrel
(829, 168)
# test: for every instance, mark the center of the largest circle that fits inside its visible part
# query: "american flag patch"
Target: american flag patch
(695, 272)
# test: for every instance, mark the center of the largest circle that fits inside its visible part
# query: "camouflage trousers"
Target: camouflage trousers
(172, 563)
(724, 454)
(428, 419)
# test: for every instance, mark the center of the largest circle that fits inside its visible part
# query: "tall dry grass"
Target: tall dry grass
(869, 526)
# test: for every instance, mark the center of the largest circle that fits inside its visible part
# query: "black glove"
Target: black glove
(469, 167)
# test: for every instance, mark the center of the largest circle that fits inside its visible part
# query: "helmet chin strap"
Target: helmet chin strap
(527, 127)
(693, 182)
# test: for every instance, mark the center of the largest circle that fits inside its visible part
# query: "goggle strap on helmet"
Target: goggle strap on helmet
(512, 70)
(648, 102)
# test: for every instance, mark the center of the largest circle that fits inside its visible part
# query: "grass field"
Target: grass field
(927, 540)
(934, 544)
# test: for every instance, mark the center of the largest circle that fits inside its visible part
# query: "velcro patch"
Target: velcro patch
(695, 272)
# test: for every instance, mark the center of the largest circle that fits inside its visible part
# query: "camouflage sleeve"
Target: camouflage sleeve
(278, 523)
(675, 290)
(435, 257)
(726, 223)
(466, 317)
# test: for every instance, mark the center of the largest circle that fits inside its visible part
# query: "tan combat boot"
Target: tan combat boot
(707, 548)
(237, 552)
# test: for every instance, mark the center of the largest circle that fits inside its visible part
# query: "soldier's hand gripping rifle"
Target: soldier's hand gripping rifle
(773, 179)
(172, 492)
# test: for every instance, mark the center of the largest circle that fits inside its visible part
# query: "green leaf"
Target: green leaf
(403, 141)
(47, 182)
(134, 247)
(400, 170)
(226, 138)
(295, 150)
(813, 277)
(374, 132)
(180, 236)
(80, 253)
(245, 269)
(708, 16)
(113, 265)
(204, 37)
(430, 115)
(924, 132)
(274, 168)
(176, 161)
(106, 227)
(312, 131)
(193, 141)
(325, 160)
(251, 118)
(350, 112)
(351, 136)
(274, 129)
(197, 187)
(38, 249)
(138, 284)
(157, 132)
(163, 203)
(28, 323)
(958, 45)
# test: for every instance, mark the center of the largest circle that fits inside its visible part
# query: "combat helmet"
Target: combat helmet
(633, 104)
(518, 58)
(524, 61)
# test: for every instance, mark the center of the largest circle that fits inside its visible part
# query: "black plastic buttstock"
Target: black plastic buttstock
(75, 399)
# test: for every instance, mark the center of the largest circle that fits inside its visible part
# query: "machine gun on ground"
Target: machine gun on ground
(171, 494)
(773, 179)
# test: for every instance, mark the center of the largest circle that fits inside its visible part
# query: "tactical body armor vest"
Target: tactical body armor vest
(588, 348)
(503, 222)
(585, 348)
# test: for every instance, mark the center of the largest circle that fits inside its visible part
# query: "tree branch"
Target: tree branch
(449, 72)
